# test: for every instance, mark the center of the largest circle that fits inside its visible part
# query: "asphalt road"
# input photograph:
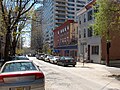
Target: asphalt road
(76, 78)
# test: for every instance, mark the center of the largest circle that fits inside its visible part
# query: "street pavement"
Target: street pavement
(88, 77)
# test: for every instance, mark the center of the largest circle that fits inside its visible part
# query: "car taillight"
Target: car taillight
(1, 80)
(73, 60)
(66, 60)
(39, 75)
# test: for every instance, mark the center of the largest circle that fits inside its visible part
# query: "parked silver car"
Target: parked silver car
(21, 75)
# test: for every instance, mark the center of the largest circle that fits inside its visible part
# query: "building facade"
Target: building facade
(56, 12)
(94, 48)
(65, 39)
(89, 45)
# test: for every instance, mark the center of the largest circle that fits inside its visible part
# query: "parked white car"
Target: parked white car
(47, 58)
(21, 75)
(54, 59)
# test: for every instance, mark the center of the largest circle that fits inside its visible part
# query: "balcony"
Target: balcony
(61, 13)
(60, 20)
(60, 17)
(65, 1)
(58, 4)
(61, 8)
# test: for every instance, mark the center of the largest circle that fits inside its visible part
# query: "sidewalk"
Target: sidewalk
(101, 68)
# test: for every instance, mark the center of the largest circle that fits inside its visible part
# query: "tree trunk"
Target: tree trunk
(14, 44)
(7, 47)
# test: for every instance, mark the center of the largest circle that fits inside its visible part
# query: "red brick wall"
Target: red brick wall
(115, 46)
(55, 39)
(56, 36)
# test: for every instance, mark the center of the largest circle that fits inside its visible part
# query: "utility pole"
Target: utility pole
(108, 45)
(108, 53)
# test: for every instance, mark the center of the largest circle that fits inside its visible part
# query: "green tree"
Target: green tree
(14, 15)
(107, 20)
(46, 48)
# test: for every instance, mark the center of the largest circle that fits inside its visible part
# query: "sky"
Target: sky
(27, 35)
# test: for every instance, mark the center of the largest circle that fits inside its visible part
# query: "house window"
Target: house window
(90, 32)
(69, 4)
(84, 18)
(67, 27)
(80, 5)
(79, 34)
(71, 8)
(82, 2)
(79, 20)
(95, 50)
(84, 33)
(90, 15)
(63, 31)
(70, 16)
(71, 12)
(71, 0)
(89, 0)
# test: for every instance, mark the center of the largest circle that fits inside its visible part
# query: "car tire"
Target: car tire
(64, 65)
(73, 65)
(57, 63)
(53, 62)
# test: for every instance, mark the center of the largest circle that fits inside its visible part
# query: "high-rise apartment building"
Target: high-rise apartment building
(56, 12)
(36, 32)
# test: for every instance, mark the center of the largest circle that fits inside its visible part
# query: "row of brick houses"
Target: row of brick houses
(65, 39)
(78, 39)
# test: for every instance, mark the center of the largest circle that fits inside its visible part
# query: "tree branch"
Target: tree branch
(3, 13)
(18, 16)
(29, 8)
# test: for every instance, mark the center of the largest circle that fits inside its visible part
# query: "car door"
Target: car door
(62, 60)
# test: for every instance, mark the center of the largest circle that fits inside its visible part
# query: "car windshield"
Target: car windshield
(18, 66)
(66, 58)
(56, 56)
(20, 58)
(50, 56)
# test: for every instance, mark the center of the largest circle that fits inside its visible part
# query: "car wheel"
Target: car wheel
(64, 65)
(57, 63)
(73, 65)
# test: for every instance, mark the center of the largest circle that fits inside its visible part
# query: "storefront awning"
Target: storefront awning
(56, 51)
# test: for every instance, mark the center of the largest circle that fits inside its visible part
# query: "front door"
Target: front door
(88, 52)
